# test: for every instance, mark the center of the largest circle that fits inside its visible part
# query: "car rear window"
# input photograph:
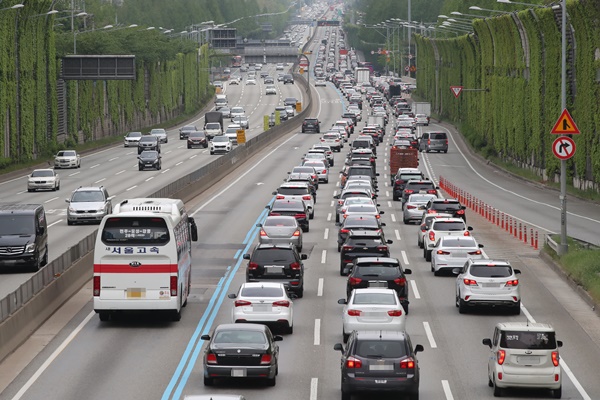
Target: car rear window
(528, 340)
(240, 336)
(360, 171)
(364, 242)
(374, 298)
(360, 143)
(448, 226)
(296, 191)
(491, 271)
(273, 255)
(288, 205)
(441, 135)
(378, 271)
(407, 177)
(458, 242)
(449, 206)
(420, 186)
(262, 292)
(280, 221)
(381, 349)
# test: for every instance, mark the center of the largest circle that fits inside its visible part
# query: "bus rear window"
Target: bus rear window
(139, 231)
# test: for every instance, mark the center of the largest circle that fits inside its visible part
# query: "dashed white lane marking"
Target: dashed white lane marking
(324, 257)
(326, 234)
(131, 188)
(166, 170)
(415, 290)
(329, 217)
(404, 258)
(393, 217)
(100, 180)
(398, 237)
(52, 199)
(94, 166)
(320, 287)
(429, 335)
(317, 341)
(314, 386)
(447, 391)
(149, 179)
(120, 172)
(54, 223)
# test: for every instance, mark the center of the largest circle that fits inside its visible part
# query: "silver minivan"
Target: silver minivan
(433, 141)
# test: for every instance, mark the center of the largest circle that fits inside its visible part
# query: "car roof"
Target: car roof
(383, 335)
(385, 260)
(241, 327)
(263, 284)
(374, 290)
(525, 326)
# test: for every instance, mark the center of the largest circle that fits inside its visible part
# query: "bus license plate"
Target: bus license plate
(136, 293)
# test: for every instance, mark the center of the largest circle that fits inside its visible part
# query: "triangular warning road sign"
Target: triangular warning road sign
(565, 125)
(456, 90)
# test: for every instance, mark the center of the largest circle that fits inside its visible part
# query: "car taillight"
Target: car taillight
(352, 362)
(555, 358)
(173, 286)
(514, 282)
(400, 281)
(446, 142)
(460, 212)
(352, 281)
(467, 233)
(252, 265)
(399, 181)
(281, 303)
(431, 191)
(409, 363)
(279, 197)
(265, 359)
(306, 197)
(324, 171)
(354, 313)
(408, 191)
(295, 266)
(211, 358)
(296, 233)
(96, 286)
(382, 248)
(263, 233)
(411, 207)
(395, 313)
(501, 356)
(432, 236)
(300, 216)
(274, 214)
(428, 141)
(314, 176)
(442, 252)
(242, 303)
(470, 282)
(430, 211)
(474, 253)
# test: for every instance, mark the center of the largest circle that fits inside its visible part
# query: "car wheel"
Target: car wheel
(428, 255)
(212, 152)
(140, 168)
(312, 215)
(30, 190)
(300, 292)
(406, 221)
(557, 393)
(332, 164)
(342, 267)
(339, 247)
(456, 298)
(69, 222)
(206, 145)
(337, 218)
(517, 308)
(433, 269)
(498, 391)
(346, 395)
(209, 381)
(272, 381)
(427, 150)
(289, 330)
(303, 131)
(462, 306)
(420, 243)
(327, 180)
(104, 316)
(445, 151)
(189, 147)
(413, 396)
(176, 315)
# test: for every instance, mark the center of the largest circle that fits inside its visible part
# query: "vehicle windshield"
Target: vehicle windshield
(42, 173)
(87, 196)
(381, 349)
(237, 110)
(149, 154)
(280, 221)
(135, 231)
(219, 139)
(15, 224)
(213, 125)
(374, 298)
(528, 340)
(134, 134)
(448, 226)
(66, 153)
(493, 271)
(261, 292)
(273, 255)
(197, 134)
(240, 336)
(158, 132)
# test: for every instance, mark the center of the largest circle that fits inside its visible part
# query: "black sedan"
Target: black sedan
(149, 159)
(379, 272)
(241, 351)
(363, 244)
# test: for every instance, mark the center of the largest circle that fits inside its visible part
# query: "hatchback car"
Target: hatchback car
(380, 272)
(403, 175)
(447, 206)
(88, 204)
(363, 244)
(297, 191)
(452, 252)
(149, 159)
(280, 229)
(184, 131)
(372, 309)
(418, 186)
(197, 139)
(148, 142)
(311, 125)
(67, 159)
(491, 283)
(277, 263)
(379, 362)
(443, 227)
(415, 207)
(43, 179)
(132, 139)
(524, 355)
(283, 116)
(358, 223)
(236, 112)
(265, 303)
(241, 351)
(321, 168)
(242, 121)
(294, 208)
(161, 134)
(425, 224)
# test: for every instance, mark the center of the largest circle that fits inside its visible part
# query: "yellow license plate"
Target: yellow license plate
(136, 293)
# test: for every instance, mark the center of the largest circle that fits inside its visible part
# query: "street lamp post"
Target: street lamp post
(522, 4)
(488, 10)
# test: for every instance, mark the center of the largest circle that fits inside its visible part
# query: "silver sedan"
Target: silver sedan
(280, 230)
(453, 252)
(415, 206)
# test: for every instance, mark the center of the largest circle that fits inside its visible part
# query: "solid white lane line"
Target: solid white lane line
(314, 382)
(415, 290)
(52, 357)
(393, 217)
(404, 258)
(166, 170)
(447, 391)
(329, 217)
(317, 332)
(133, 187)
(168, 151)
(324, 257)
(320, 287)
(120, 172)
(398, 237)
(52, 199)
(100, 180)
(429, 335)
(54, 223)
(326, 234)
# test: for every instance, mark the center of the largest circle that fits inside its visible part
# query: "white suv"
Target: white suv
(524, 355)
(297, 191)
(443, 227)
(491, 283)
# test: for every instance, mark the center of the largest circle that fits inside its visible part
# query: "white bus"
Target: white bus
(143, 257)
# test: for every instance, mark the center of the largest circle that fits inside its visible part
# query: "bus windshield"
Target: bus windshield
(140, 231)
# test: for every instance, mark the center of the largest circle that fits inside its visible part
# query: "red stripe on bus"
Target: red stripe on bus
(128, 269)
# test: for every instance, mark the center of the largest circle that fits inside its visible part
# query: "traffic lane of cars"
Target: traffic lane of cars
(543, 307)
(537, 206)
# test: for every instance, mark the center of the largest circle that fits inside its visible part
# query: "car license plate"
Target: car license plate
(238, 372)
(378, 284)
(528, 360)
(273, 270)
(381, 367)
(136, 293)
(261, 307)
(381, 381)
(489, 284)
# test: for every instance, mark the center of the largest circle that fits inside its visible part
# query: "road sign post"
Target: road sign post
(241, 136)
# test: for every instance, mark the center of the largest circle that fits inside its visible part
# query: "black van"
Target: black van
(23, 236)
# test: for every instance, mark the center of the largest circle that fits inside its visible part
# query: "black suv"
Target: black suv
(418, 186)
(379, 272)
(279, 263)
(149, 159)
(363, 244)
(399, 181)
(368, 352)
(282, 113)
(311, 125)
(294, 208)
(446, 206)
(149, 142)
(288, 78)
(358, 223)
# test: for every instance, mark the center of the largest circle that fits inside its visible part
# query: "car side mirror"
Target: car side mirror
(338, 347)
(277, 338)
(431, 245)
(246, 256)
(67, 200)
(259, 225)
(456, 271)
(480, 246)
(303, 257)
(381, 212)
(193, 229)
(463, 207)
(377, 174)
(205, 337)
(559, 343)
(337, 196)
(407, 271)
(267, 206)
(232, 295)
(487, 342)
(419, 348)
(41, 230)
(469, 228)
(389, 241)
(517, 271)
(342, 301)
(338, 224)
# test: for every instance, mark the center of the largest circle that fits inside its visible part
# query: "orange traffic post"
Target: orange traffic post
(511, 224)
(502, 221)
(525, 234)
(535, 244)
(520, 232)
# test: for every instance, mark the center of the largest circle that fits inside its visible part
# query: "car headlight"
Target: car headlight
(72, 210)
(155, 161)
(30, 248)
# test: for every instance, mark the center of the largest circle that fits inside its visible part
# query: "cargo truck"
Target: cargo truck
(402, 158)
(394, 90)
(213, 117)
(421, 108)
(362, 75)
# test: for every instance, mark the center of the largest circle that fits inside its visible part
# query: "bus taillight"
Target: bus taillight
(173, 286)
(96, 286)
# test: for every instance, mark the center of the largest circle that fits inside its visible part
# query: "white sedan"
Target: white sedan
(67, 159)
(250, 81)
(265, 303)
(46, 179)
(372, 309)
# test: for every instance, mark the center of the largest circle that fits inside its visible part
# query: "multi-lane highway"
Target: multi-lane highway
(143, 358)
